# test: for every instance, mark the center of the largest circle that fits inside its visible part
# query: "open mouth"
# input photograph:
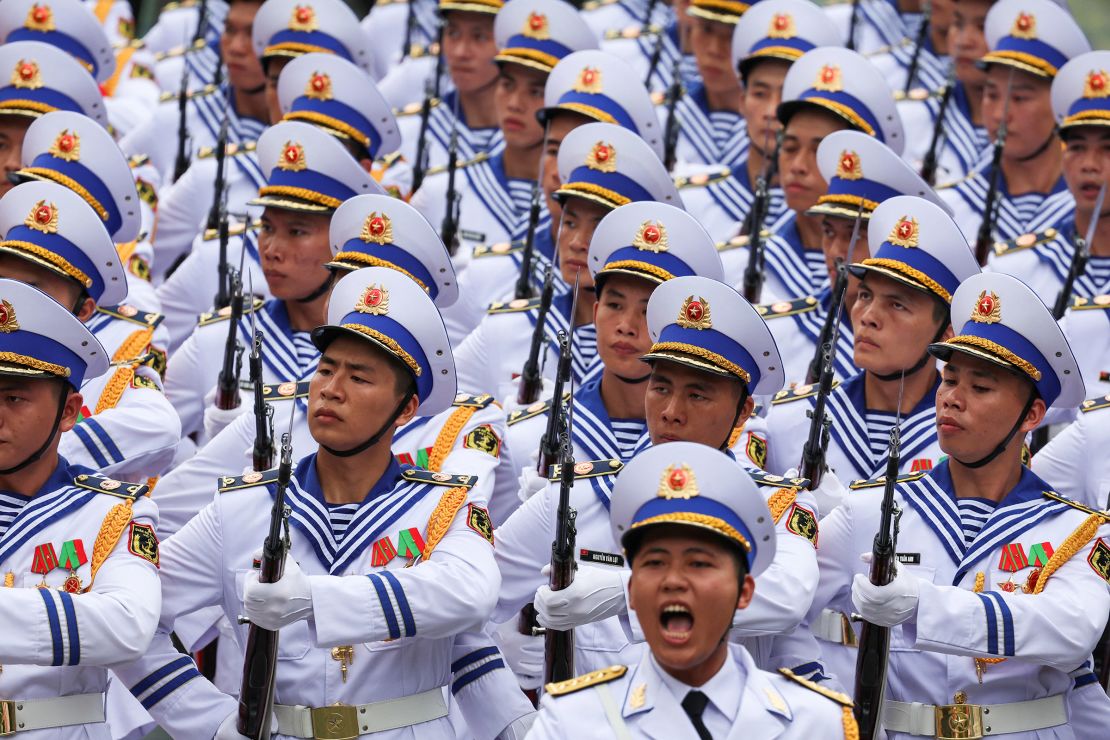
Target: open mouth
(677, 622)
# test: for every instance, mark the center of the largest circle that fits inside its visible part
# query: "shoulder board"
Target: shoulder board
(419, 475)
(137, 160)
(237, 229)
(799, 391)
(177, 5)
(383, 3)
(881, 480)
(605, 675)
(1023, 242)
(702, 179)
(214, 317)
(954, 183)
(498, 249)
(207, 152)
(536, 409)
(589, 469)
(413, 109)
(167, 97)
(477, 402)
(1094, 404)
(386, 161)
(631, 32)
(1075, 504)
(763, 478)
(177, 51)
(1099, 302)
(102, 484)
(285, 391)
(842, 699)
(126, 312)
(247, 480)
(416, 51)
(460, 164)
(740, 241)
(514, 306)
(917, 94)
(787, 308)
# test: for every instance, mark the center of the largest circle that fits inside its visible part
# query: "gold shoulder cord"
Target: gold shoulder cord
(448, 435)
(131, 348)
(440, 520)
(108, 537)
(780, 501)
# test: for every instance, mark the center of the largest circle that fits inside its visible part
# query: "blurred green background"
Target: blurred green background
(1094, 17)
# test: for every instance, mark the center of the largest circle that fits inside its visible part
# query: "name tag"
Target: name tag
(604, 558)
(909, 558)
(472, 236)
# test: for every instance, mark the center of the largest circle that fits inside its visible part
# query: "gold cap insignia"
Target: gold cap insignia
(377, 229)
(694, 314)
(27, 75)
(1025, 26)
(292, 157)
(536, 27)
(67, 146)
(318, 87)
(589, 81)
(678, 482)
(40, 18)
(43, 218)
(782, 27)
(848, 167)
(988, 309)
(8, 322)
(829, 79)
(303, 19)
(904, 233)
(374, 301)
(602, 157)
(1097, 84)
(652, 237)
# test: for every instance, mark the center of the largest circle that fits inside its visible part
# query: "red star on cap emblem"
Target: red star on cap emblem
(905, 228)
(374, 297)
(677, 480)
(1025, 21)
(986, 305)
(377, 226)
(66, 146)
(694, 311)
(66, 143)
(651, 234)
(292, 157)
(1025, 26)
(304, 15)
(319, 82)
(601, 153)
(8, 322)
(781, 22)
(536, 21)
(43, 214)
(303, 18)
(1096, 84)
(588, 76)
(40, 13)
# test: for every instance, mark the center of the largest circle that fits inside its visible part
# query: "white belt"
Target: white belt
(23, 715)
(835, 627)
(344, 721)
(973, 720)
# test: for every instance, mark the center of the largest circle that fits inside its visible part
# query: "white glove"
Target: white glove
(828, 495)
(523, 654)
(530, 482)
(518, 728)
(215, 420)
(272, 606)
(887, 605)
(594, 594)
(229, 728)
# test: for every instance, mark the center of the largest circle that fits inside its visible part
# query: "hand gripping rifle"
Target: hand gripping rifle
(256, 693)
(449, 229)
(932, 155)
(431, 97)
(670, 130)
(1079, 259)
(918, 45)
(874, 641)
(262, 454)
(753, 273)
(990, 206)
(227, 385)
(219, 203)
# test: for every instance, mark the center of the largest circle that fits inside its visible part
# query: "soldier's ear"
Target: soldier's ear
(747, 591)
(72, 408)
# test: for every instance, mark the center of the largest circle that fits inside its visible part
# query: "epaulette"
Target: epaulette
(1076, 505)
(857, 485)
(419, 475)
(416, 51)
(413, 109)
(168, 97)
(631, 32)
(605, 675)
(476, 402)
(207, 152)
(878, 50)
(498, 249)
(658, 98)
(386, 161)
(285, 391)
(740, 241)
(917, 94)
(137, 160)
(1091, 304)
(805, 390)
(781, 309)
(177, 51)
(959, 181)
(460, 164)
(842, 699)
(1094, 404)
(214, 317)
(514, 306)
(537, 408)
(236, 229)
(177, 5)
(127, 312)
(103, 484)
(763, 478)
(383, 3)
(1023, 242)
(247, 480)
(702, 179)
(589, 469)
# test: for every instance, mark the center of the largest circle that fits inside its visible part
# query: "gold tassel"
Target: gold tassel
(134, 346)
(780, 501)
(448, 435)
(848, 719)
(440, 520)
(108, 537)
(1075, 542)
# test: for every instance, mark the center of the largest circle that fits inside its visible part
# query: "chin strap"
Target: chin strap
(898, 374)
(1041, 149)
(319, 292)
(632, 381)
(1005, 440)
(254, 90)
(377, 435)
(37, 454)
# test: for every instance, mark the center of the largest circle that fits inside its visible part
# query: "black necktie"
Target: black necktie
(694, 704)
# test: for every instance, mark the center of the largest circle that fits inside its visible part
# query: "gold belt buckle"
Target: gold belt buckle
(959, 721)
(335, 722)
(7, 718)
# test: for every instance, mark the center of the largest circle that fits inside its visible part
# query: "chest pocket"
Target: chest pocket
(294, 642)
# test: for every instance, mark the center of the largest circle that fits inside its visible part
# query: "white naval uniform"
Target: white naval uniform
(115, 17)
(962, 143)
(1044, 637)
(707, 137)
(645, 702)
(879, 25)
(631, 44)
(386, 25)
(1086, 325)
(796, 327)
(721, 205)
(441, 122)
(894, 64)
(48, 628)
(790, 269)
(1043, 265)
(401, 621)
(1073, 463)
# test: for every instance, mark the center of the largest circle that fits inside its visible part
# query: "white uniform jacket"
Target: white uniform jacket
(1073, 462)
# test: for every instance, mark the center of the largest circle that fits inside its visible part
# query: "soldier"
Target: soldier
(84, 545)
(392, 25)
(641, 33)
(697, 537)
(1066, 461)
(929, 44)
(875, 26)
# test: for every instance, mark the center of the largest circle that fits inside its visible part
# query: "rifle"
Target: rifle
(1079, 259)
(817, 442)
(918, 45)
(983, 238)
(227, 386)
(670, 132)
(220, 183)
(223, 229)
(523, 287)
(449, 229)
(929, 164)
(753, 273)
(410, 26)
(852, 21)
(657, 50)
(431, 92)
(531, 381)
(181, 161)
(256, 692)
(263, 453)
(874, 641)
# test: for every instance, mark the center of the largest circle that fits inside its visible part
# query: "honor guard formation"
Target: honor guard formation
(491, 369)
